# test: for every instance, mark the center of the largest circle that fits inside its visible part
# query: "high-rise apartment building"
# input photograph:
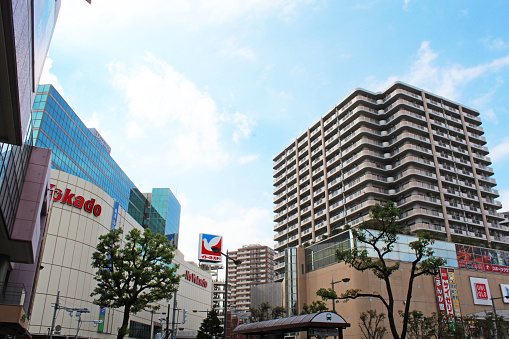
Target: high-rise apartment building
(82, 152)
(256, 267)
(422, 151)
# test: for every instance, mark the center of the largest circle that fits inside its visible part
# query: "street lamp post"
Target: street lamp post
(152, 322)
(344, 280)
(495, 311)
(236, 262)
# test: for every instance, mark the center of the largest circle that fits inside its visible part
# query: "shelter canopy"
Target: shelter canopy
(293, 324)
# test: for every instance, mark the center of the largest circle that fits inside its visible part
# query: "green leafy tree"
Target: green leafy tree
(437, 326)
(278, 312)
(261, 313)
(489, 326)
(135, 273)
(210, 327)
(379, 235)
(314, 307)
(266, 312)
(371, 324)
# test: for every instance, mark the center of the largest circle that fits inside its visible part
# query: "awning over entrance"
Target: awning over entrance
(294, 324)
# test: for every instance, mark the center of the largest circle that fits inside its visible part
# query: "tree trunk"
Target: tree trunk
(124, 329)
(390, 309)
(407, 305)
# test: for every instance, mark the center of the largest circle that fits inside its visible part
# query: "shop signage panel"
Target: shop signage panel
(482, 259)
(71, 199)
(454, 294)
(505, 292)
(206, 242)
(444, 276)
(115, 216)
(480, 291)
(440, 294)
(196, 279)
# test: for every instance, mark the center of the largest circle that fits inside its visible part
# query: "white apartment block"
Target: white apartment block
(256, 267)
(424, 152)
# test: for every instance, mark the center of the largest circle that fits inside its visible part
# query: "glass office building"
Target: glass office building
(165, 212)
(79, 151)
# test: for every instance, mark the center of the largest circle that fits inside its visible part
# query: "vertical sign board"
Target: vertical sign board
(207, 242)
(444, 276)
(440, 294)
(102, 315)
(454, 294)
(505, 293)
(480, 291)
(115, 216)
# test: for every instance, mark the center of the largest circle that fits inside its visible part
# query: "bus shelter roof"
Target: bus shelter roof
(293, 324)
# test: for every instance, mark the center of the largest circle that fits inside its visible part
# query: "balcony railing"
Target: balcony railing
(12, 294)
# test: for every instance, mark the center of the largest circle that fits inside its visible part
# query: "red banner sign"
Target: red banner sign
(444, 276)
(440, 294)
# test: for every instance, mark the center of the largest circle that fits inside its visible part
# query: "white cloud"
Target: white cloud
(496, 43)
(248, 158)
(405, 5)
(504, 199)
(238, 225)
(115, 15)
(182, 123)
(500, 152)
(232, 50)
(463, 12)
(444, 81)
(133, 131)
(93, 122)
(483, 102)
(244, 126)
(181, 120)
(49, 78)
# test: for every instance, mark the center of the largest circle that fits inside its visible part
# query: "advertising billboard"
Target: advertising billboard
(482, 259)
(206, 242)
(480, 291)
(439, 293)
(505, 293)
(447, 291)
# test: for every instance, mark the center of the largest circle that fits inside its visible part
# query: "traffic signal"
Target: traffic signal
(184, 319)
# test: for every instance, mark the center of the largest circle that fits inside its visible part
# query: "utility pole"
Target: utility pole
(57, 305)
(173, 315)
(167, 335)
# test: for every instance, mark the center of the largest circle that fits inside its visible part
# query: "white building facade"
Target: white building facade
(76, 220)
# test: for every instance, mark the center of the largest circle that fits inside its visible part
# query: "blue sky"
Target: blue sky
(200, 95)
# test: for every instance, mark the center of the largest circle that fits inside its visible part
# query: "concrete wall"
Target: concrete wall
(423, 296)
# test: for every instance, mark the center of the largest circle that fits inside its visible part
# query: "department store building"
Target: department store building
(92, 195)
(73, 232)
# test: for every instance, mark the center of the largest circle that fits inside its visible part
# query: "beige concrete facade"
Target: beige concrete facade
(423, 296)
(71, 239)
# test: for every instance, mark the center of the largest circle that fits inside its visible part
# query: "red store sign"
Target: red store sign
(196, 279)
(77, 201)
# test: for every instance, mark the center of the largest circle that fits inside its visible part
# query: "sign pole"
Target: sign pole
(54, 315)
